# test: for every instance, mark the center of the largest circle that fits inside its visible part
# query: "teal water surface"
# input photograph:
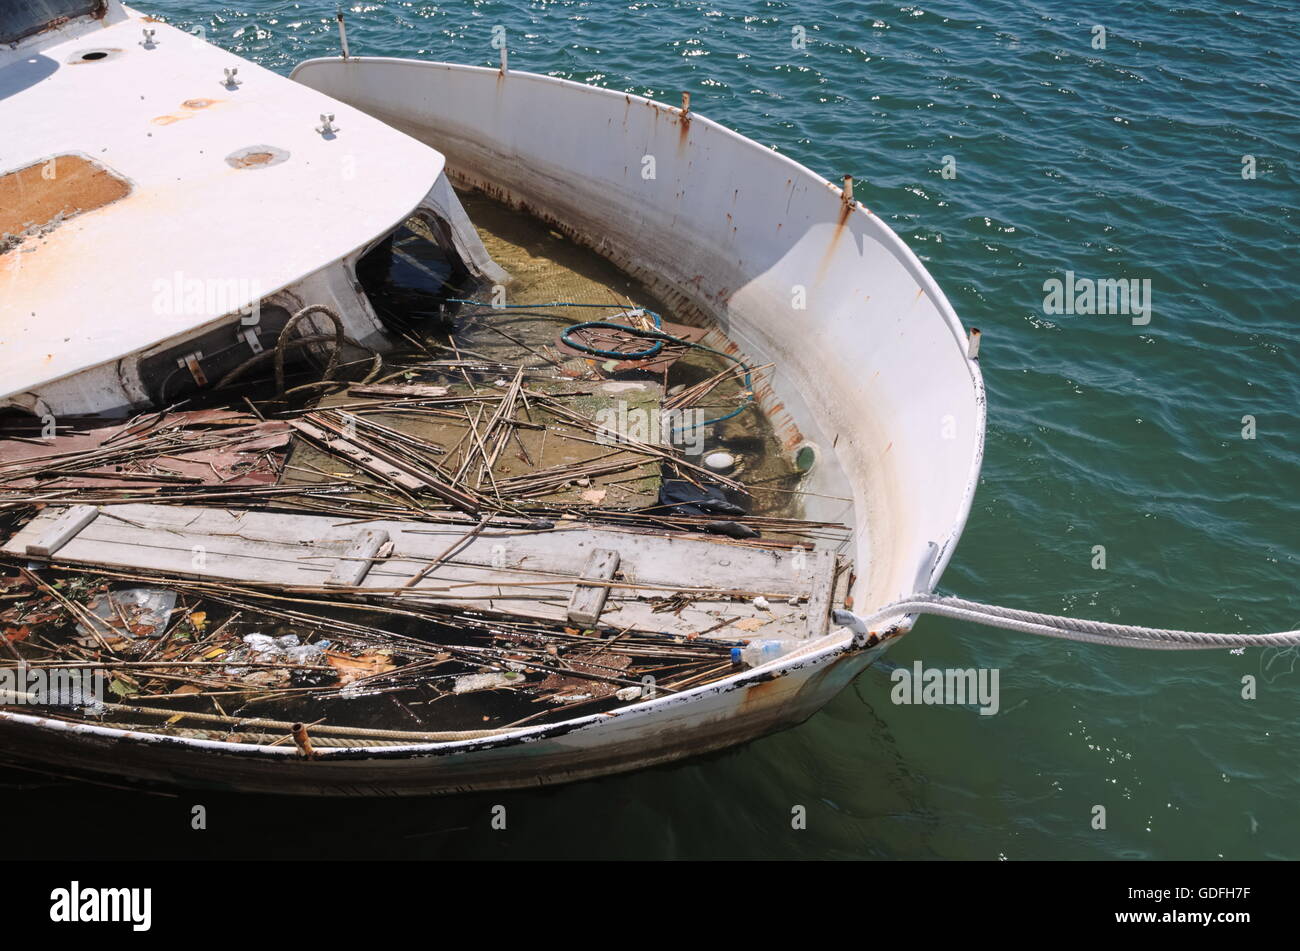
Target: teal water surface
(1122, 162)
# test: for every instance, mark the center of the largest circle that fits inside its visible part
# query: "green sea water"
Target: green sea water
(1167, 155)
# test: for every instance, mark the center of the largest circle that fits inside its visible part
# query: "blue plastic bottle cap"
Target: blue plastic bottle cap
(735, 655)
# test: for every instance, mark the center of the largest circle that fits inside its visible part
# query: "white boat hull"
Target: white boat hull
(873, 376)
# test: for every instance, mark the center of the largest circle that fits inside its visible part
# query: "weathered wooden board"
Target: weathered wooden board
(673, 583)
(356, 561)
(376, 460)
(60, 530)
(588, 600)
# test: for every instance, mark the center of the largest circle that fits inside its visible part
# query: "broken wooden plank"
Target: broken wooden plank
(822, 576)
(62, 530)
(681, 585)
(363, 460)
(589, 600)
(373, 459)
(358, 557)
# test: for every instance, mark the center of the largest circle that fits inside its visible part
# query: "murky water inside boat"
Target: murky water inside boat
(547, 267)
(274, 661)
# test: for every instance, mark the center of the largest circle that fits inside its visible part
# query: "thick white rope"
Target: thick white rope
(1066, 628)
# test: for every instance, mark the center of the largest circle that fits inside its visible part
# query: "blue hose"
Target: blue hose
(658, 336)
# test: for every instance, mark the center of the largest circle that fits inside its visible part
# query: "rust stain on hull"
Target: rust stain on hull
(188, 108)
(846, 209)
(761, 694)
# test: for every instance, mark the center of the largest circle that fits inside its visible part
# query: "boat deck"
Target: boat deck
(187, 200)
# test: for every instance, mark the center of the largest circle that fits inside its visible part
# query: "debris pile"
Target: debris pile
(176, 658)
(537, 434)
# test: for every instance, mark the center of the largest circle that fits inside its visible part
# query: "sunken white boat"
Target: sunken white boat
(864, 381)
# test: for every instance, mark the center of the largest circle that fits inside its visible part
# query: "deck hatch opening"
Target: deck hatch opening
(35, 199)
(99, 54)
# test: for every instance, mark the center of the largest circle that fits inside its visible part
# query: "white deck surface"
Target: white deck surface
(88, 294)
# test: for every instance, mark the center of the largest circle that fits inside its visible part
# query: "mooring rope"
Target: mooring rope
(1065, 628)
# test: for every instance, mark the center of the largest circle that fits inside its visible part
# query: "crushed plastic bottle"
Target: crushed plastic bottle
(762, 650)
(261, 648)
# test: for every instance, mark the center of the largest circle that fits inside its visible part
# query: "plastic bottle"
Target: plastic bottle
(761, 650)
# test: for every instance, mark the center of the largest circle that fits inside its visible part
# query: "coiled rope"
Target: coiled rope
(285, 343)
(1064, 628)
(658, 338)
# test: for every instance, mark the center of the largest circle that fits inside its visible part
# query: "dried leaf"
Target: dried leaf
(364, 665)
(12, 583)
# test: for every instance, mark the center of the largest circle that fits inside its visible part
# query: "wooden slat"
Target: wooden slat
(822, 592)
(372, 458)
(588, 601)
(61, 530)
(397, 389)
(359, 457)
(358, 557)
